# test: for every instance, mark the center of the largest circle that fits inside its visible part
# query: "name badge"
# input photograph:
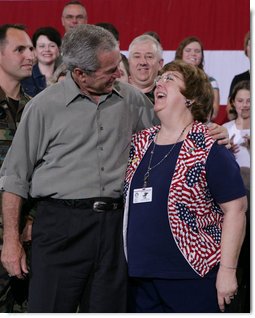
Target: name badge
(142, 195)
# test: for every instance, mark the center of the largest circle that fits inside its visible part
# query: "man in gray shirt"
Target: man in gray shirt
(70, 152)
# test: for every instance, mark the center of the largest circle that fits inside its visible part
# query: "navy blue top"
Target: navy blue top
(35, 83)
(152, 251)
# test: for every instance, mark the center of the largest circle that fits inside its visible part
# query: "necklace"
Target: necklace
(147, 173)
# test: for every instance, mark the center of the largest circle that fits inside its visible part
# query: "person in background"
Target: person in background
(239, 132)
(154, 35)
(74, 13)
(183, 223)
(16, 61)
(111, 28)
(47, 42)
(70, 153)
(239, 127)
(245, 76)
(145, 57)
(124, 69)
(191, 51)
(59, 74)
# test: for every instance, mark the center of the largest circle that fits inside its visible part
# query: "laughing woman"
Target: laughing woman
(183, 224)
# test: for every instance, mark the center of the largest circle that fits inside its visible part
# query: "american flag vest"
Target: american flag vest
(195, 219)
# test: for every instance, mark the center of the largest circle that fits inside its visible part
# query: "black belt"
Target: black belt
(100, 204)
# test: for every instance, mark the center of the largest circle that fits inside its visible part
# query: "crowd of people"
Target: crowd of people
(114, 177)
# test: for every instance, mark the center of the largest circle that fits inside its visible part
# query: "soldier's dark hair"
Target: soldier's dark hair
(5, 27)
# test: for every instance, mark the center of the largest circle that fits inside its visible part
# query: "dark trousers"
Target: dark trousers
(77, 261)
(148, 295)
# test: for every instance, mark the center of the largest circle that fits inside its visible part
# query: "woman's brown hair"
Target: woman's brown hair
(184, 43)
(198, 88)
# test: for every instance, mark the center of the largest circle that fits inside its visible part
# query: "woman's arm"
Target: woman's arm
(233, 232)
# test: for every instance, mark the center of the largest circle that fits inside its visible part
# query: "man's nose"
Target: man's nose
(74, 19)
(143, 60)
(30, 54)
(117, 73)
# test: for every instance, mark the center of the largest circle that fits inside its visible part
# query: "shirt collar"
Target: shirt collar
(23, 95)
(2, 96)
(117, 88)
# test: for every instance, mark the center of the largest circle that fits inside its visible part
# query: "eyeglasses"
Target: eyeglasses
(167, 77)
(70, 17)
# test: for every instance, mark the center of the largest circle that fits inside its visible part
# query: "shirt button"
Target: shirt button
(101, 128)
(102, 169)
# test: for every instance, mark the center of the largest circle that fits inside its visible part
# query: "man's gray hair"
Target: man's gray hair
(81, 45)
(145, 38)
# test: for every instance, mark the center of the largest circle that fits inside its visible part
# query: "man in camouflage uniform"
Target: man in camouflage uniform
(16, 61)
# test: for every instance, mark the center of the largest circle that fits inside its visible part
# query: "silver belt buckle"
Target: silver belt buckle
(98, 206)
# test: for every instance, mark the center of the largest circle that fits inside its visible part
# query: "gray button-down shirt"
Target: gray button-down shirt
(68, 147)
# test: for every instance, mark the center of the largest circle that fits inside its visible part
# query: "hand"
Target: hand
(220, 134)
(26, 235)
(234, 147)
(226, 285)
(13, 258)
(247, 142)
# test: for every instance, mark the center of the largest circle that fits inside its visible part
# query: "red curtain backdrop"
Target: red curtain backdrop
(221, 24)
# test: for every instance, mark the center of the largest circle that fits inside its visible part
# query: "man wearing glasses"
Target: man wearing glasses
(74, 13)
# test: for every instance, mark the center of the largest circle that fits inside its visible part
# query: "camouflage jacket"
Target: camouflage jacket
(13, 294)
(9, 119)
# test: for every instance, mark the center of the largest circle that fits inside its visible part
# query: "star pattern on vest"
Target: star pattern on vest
(216, 208)
(199, 139)
(214, 232)
(192, 176)
(186, 216)
(132, 151)
(151, 137)
(125, 189)
(208, 196)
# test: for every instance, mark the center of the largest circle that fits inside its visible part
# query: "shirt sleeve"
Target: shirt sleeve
(146, 117)
(27, 147)
(214, 83)
(223, 175)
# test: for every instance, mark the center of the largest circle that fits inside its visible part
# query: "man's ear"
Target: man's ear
(161, 63)
(80, 74)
